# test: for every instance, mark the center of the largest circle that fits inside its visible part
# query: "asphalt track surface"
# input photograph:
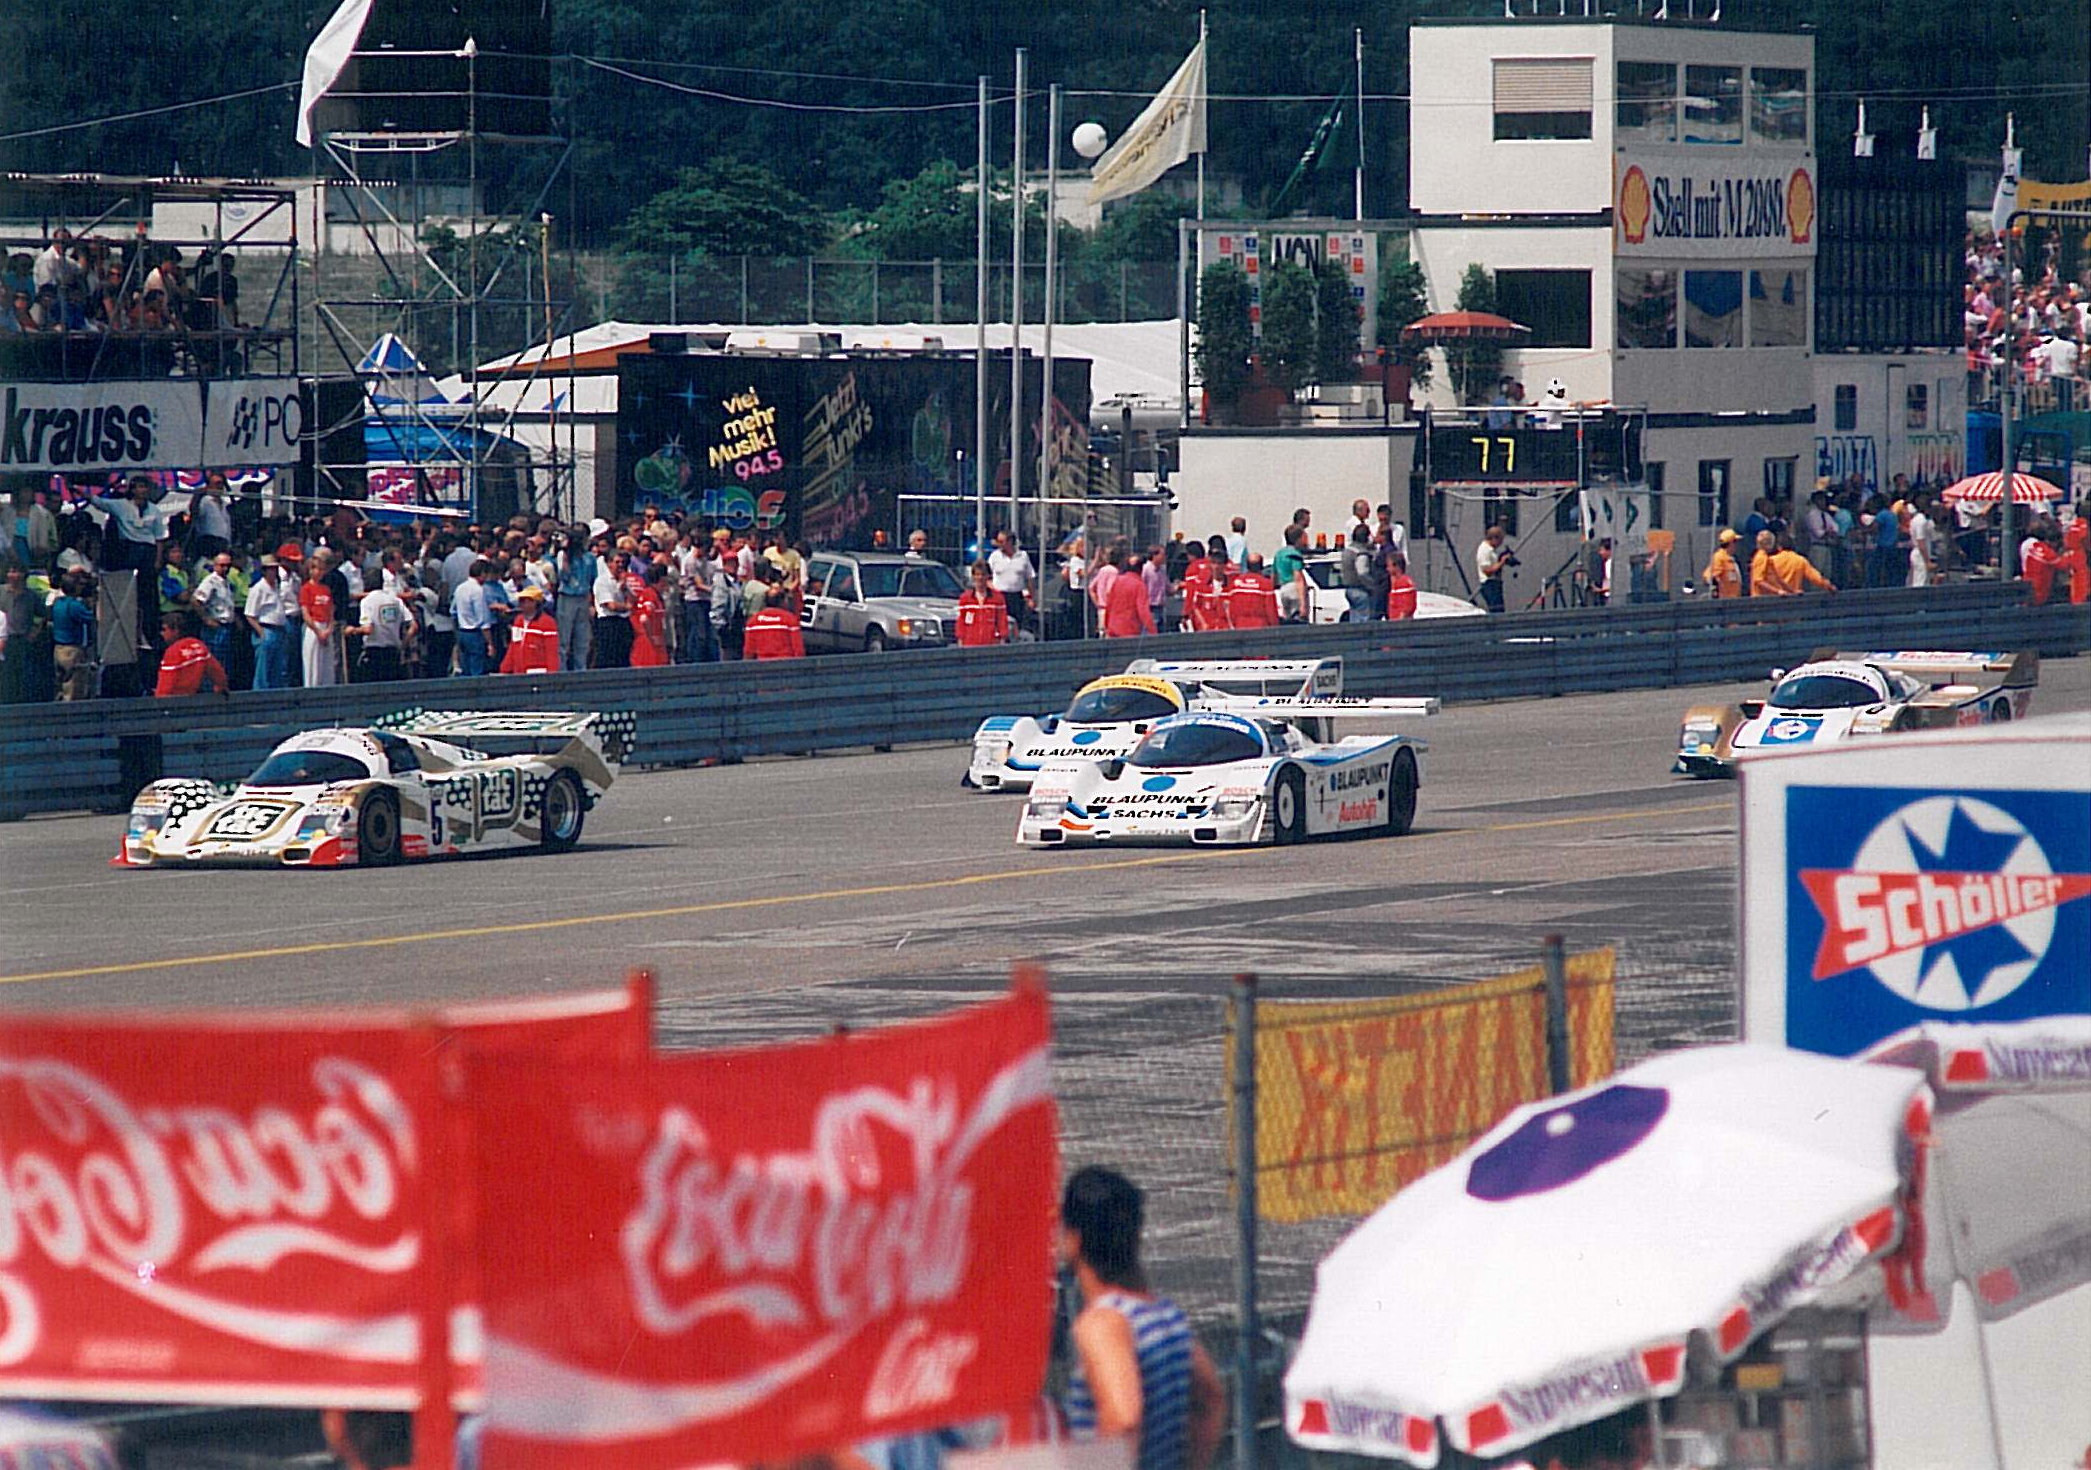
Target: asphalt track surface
(782, 898)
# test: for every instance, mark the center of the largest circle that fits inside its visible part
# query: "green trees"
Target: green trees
(1288, 325)
(1475, 365)
(1337, 319)
(1401, 301)
(725, 207)
(1224, 340)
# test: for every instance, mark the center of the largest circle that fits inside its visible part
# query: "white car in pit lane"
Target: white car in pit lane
(1108, 716)
(409, 786)
(1235, 778)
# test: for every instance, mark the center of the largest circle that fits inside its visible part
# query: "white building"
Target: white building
(1645, 194)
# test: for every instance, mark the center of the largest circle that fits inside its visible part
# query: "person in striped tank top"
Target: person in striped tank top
(1138, 1369)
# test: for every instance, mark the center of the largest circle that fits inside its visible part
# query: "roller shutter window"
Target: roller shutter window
(1543, 98)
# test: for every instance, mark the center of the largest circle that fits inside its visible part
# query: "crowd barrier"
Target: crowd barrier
(95, 755)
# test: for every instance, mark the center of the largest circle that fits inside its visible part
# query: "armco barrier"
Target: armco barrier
(61, 757)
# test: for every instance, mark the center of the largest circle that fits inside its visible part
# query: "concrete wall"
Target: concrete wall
(1882, 440)
(1265, 474)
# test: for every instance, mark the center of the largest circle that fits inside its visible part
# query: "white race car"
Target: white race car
(1109, 715)
(1835, 696)
(404, 788)
(1252, 776)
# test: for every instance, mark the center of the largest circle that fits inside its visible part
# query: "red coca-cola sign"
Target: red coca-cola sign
(741, 1256)
(239, 1209)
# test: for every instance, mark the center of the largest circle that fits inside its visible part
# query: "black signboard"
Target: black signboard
(819, 447)
(1599, 446)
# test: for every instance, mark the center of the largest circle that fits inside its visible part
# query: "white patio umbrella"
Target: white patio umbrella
(1565, 1266)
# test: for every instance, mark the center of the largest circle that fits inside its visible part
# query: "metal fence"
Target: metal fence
(97, 754)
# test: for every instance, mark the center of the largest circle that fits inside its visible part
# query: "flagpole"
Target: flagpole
(1052, 227)
(1358, 202)
(1204, 72)
(980, 333)
(1016, 306)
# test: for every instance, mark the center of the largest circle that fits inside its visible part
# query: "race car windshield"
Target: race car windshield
(1118, 706)
(308, 768)
(917, 579)
(1823, 691)
(1196, 745)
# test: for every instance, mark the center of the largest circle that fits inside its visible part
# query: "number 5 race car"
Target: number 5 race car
(1837, 695)
(404, 788)
(1248, 775)
(1109, 715)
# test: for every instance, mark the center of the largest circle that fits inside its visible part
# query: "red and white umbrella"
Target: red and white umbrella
(1465, 326)
(1989, 489)
(1569, 1263)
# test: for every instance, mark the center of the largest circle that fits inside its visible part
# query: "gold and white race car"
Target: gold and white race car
(408, 787)
(1838, 695)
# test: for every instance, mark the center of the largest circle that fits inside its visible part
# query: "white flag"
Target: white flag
(1927, 138)
(1168, 130)
(2006, 203)
(1862, 141)
(327, 58)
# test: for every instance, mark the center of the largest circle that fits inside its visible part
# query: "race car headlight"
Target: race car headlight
(319, 823)
(143, 822)
(1699, 734)
(1233, 808)
(1051, 806)
(993, 751)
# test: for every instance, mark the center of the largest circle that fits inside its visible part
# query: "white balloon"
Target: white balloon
(1090, 139)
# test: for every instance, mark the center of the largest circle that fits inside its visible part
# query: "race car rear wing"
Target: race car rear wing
(1939, 667)
(1300, 677)
(1325, 709)
(612, 732)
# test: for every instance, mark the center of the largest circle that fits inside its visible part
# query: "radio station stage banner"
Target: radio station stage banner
(249, 1208)
(743, 1256)
(1356, 1099)
(1698, 207)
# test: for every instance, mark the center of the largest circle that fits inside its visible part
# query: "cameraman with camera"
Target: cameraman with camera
(1491, 561)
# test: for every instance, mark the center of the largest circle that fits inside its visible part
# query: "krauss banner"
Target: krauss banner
(1696, 206)
(742, 1256)
(118, 426)
(249, 1209)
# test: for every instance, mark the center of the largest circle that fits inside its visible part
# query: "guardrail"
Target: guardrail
(95, 755)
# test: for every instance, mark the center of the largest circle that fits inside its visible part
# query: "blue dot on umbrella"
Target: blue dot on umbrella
(1556, 1147)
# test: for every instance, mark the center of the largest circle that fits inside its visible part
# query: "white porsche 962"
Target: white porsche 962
(405, 788)
(1219, 777)
(1109, 715)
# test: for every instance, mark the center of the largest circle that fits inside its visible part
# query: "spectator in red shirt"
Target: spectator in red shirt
(533, 638)
(983, 613)
(1252, 597)
(772, 633)
(187, 665)
(1126, 613)
(649, 616)
(2076, 553)
(1401, 590)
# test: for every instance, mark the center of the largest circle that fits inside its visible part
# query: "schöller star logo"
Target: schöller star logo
(1950, 902)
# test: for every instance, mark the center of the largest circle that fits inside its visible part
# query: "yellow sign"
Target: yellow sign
(1355, 1099)
(1145, 682)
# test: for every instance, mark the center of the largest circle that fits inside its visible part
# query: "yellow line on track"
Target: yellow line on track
(776, 900)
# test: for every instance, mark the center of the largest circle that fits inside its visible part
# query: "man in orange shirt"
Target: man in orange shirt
(1779, 571)
(187, 666)
(1252, 597)
(1401, 588)
(1722, 576)
(2076, 553)
(983, 613)
(533, 637)
(772, 633)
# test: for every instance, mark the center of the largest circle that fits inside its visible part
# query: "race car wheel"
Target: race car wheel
(377, 830)
(1401, 795)
(1289, 808)
(875, 641)
(564, 811)
(2000, 712)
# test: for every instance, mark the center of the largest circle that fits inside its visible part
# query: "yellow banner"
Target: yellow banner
(1355, 1099)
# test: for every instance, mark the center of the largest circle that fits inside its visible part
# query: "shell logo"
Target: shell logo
(1800, 206)
(1634, 205)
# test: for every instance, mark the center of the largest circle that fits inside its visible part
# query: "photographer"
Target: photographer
(1491, 561)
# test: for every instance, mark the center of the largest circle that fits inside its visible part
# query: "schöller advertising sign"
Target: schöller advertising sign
(1711, 207)
(1934, 877)
(176, 424)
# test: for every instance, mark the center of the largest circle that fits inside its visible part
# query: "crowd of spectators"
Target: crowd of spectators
(2041, 332)
(124, 287)
(337, 599)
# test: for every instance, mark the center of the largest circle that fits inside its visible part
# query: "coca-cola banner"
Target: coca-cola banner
(744, 1255)
(238, 1209)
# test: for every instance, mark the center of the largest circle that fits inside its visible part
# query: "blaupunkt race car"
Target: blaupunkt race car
(1109, 715)
(1838, 695)
(405, 788)
(1211, 776)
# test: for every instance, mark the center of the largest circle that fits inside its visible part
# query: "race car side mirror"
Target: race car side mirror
(1112, 768)
(1140, 728)
(1777, 675)
(1752, 708)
